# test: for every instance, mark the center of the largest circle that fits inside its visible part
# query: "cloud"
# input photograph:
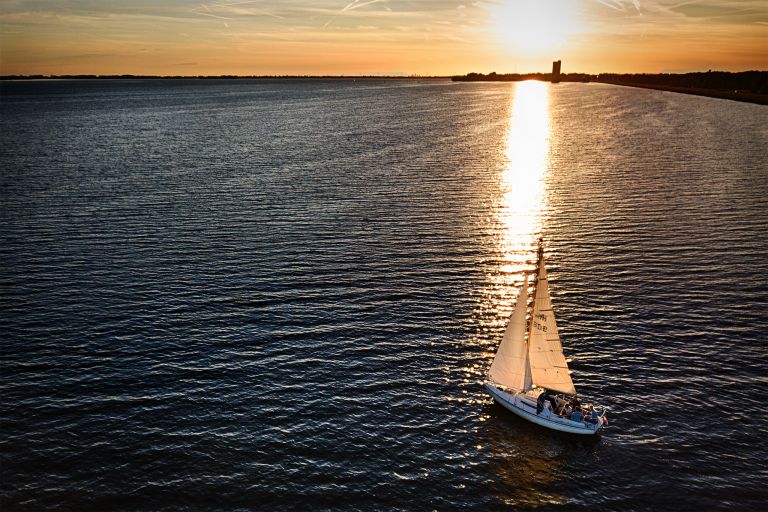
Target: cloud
(211, 15)
(356, 4)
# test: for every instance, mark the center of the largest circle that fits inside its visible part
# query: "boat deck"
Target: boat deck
(524, 405)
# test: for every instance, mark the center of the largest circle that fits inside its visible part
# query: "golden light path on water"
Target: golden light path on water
(519, 203)
(523, 197)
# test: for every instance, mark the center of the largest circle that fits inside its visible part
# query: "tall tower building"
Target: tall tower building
(556, 72)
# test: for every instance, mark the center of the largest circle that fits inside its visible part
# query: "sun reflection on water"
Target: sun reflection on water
(523, 197)
(517, 222)
(519, 203)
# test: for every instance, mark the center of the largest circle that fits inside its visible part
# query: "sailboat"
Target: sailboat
(529, 375)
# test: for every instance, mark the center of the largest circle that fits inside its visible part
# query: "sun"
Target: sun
(534, 27)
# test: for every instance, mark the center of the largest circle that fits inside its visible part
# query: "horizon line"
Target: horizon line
(393, 76)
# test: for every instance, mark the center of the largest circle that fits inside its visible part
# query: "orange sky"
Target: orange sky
(428, 37)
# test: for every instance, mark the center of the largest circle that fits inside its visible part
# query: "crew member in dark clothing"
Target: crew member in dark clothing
(543, 398)
(540, 401)
(576, 404)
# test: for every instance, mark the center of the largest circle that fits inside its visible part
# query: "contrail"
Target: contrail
(212, 15)
(356, 4)
(613, 4)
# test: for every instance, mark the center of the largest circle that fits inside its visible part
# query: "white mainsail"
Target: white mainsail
(510, 366)
(549, 368)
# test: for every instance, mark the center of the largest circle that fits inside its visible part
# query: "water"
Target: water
(277, 295)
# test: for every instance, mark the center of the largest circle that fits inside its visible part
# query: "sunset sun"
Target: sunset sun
(534, 28)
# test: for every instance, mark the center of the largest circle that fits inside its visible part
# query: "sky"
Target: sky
(379, 37)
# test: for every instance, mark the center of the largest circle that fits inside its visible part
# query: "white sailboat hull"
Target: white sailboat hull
(524, 405)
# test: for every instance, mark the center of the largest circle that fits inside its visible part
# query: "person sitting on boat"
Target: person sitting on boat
(566, 411)
(576, 403)
(540, 401)
(545, 397)
(553, 401)
(576, 416)
(592, 416)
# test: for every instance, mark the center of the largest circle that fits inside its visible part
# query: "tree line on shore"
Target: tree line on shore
(201, 77)
(744, 81)
(518, 77)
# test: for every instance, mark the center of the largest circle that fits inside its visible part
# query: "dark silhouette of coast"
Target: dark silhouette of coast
(220, 77)
(518, 77)
(749, 86)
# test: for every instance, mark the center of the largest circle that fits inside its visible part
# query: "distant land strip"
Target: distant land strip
(222, 77)
(747, 86)
(736, 95)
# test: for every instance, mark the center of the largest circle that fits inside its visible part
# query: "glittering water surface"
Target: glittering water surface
(223, 295)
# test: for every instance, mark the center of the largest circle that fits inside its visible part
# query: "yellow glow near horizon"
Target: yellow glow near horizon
(535, 28)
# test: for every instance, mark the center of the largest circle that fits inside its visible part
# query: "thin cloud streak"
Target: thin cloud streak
(356, 4)
(211, 15)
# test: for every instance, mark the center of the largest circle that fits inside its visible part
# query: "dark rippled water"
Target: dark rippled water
(277, 295)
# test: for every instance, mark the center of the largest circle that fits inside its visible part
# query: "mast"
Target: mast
(539, 261)
(528, 382)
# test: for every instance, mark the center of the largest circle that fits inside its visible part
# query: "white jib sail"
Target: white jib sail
(510, 366)
(548, 366)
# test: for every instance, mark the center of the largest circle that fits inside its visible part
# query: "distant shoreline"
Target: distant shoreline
(745, 86)
(220, 77)
(736, 95)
